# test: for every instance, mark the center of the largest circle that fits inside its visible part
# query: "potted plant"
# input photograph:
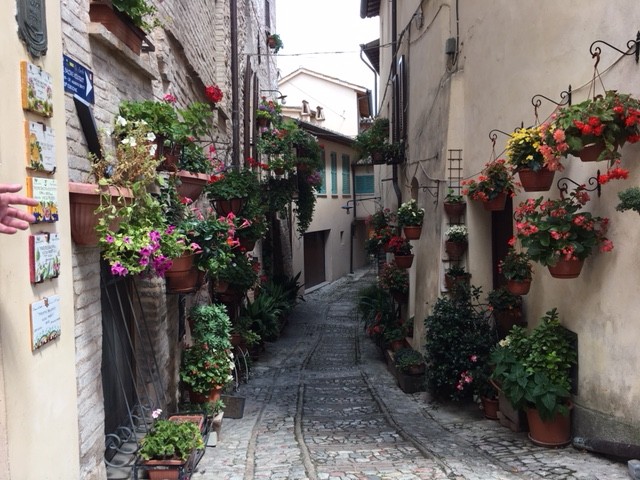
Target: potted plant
(167, 450)
(506, 308)
(268, 111)
(629, 200)
(401, 249)
(374, 141)
(456, 241)
(516, 268)
(558, 234)
(454, 205)
(230, 189)
(394, 337)
(409, 361)
(395, 280)
(533, 372)
(210, 324)
(458, 338)
(205, 371)
(274, 42)
(492, 186)
(410, 218)
(593, 129)
(240, 273)
(128, 20)
(524, 156)
(456, 277)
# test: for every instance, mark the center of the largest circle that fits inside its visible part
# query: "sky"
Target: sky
(312, 31)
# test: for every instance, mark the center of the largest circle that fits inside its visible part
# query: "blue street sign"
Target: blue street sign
(78, 80)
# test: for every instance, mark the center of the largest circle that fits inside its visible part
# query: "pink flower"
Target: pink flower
(607, 246)
(559, 135)
(169, 98)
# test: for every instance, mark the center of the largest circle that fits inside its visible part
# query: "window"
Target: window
(346, 174)
(364, 184)
(334, 173)
(267, 14)
(322, 188)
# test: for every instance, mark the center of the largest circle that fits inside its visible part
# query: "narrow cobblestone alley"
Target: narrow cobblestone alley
(320, 404)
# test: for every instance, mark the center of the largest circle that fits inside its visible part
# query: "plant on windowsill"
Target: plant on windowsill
(493, 185)
(533, 372)
(374, 141)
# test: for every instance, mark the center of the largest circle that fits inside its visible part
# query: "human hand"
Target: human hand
(12, 219)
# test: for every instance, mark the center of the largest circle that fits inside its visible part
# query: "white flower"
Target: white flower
(156, 413)
(121, 121)
(152, 149)
(129, 141)
(151, 136)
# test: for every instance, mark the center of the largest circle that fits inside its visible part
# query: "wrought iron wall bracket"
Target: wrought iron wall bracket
(493, 135)
(633, 48)
(565, 99)
(433, 190)
(593, 182)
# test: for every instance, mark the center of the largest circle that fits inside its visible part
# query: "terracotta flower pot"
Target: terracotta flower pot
(191, 184)
(549, 433)
(233, 205)
(412, 232)
(490, 407)
(118, 24)
(519, 287)
(84, 198)
(403, 261)
(454, 210)
(262, 122)
(539, 181)
(213, 396)
(591, 152)
(496, 204)
(182, 277)
(455, 250)
(566, 268)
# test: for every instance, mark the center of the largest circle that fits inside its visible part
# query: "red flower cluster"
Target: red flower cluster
(615, 173)
(213, 93)
(254, 163)
(215, 178)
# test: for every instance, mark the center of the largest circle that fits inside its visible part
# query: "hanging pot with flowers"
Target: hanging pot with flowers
(592, 130)
(456, 242)
(395, 280)
(524, 156)
(493, 185)
(410, 218)
(454, 205)
(559, 235)
(516, 268)
(401, 249)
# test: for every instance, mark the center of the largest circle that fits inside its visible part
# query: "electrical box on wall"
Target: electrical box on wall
(450, 46)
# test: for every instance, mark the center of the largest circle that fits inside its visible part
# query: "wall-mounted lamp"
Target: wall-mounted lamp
(280, 96)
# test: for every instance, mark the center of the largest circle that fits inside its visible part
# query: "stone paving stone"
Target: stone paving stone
(321, 405)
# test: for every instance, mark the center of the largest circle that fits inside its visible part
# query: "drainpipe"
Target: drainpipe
(235, 116)
(353, 222)
(375, 81)
(394, 110)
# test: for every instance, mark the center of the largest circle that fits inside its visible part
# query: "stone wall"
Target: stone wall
(192, 49)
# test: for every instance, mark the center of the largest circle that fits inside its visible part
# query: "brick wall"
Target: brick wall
(192, 49)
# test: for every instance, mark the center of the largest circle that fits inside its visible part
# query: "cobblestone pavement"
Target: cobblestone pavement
(321, 405)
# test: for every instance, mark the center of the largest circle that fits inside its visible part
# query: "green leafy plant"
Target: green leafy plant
(554, 229)
(211, 326)
(409, 214)
(269, 110)
(171, 439)
(452, 197)
(629, 200)
(141, 12)
(459, 338)
(241, 271)
(373, 140)
(502, 299)
(516, 266)
(494, 180)
(232, 184)
(457, 233)
(275, 42)
(203, 367)
(377, 310)
(405, 358)
(160, 116)
(534, 369)
(610, 120)
(393, 333)
(263, 314)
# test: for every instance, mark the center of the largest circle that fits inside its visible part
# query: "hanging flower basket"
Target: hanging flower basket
(233, 205)
(404, 261)
(519, 287)
(455, 250)
(183, 276)
(566, 268)
(592, 151)
(454, 210)
(536, 181)
(412, 232)
(497, 204)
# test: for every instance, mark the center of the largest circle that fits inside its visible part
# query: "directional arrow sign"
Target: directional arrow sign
(78, 80)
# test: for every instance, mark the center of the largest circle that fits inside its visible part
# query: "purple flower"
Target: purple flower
(146, 251)
(144, 261)
(170, 229)
(126, 240)
(109, 239)
(154, 235)
(118, 269)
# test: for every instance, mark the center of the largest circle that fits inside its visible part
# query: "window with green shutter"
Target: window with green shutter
(346, 174)
(364, 184)
(334, 173)
(322, 188)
